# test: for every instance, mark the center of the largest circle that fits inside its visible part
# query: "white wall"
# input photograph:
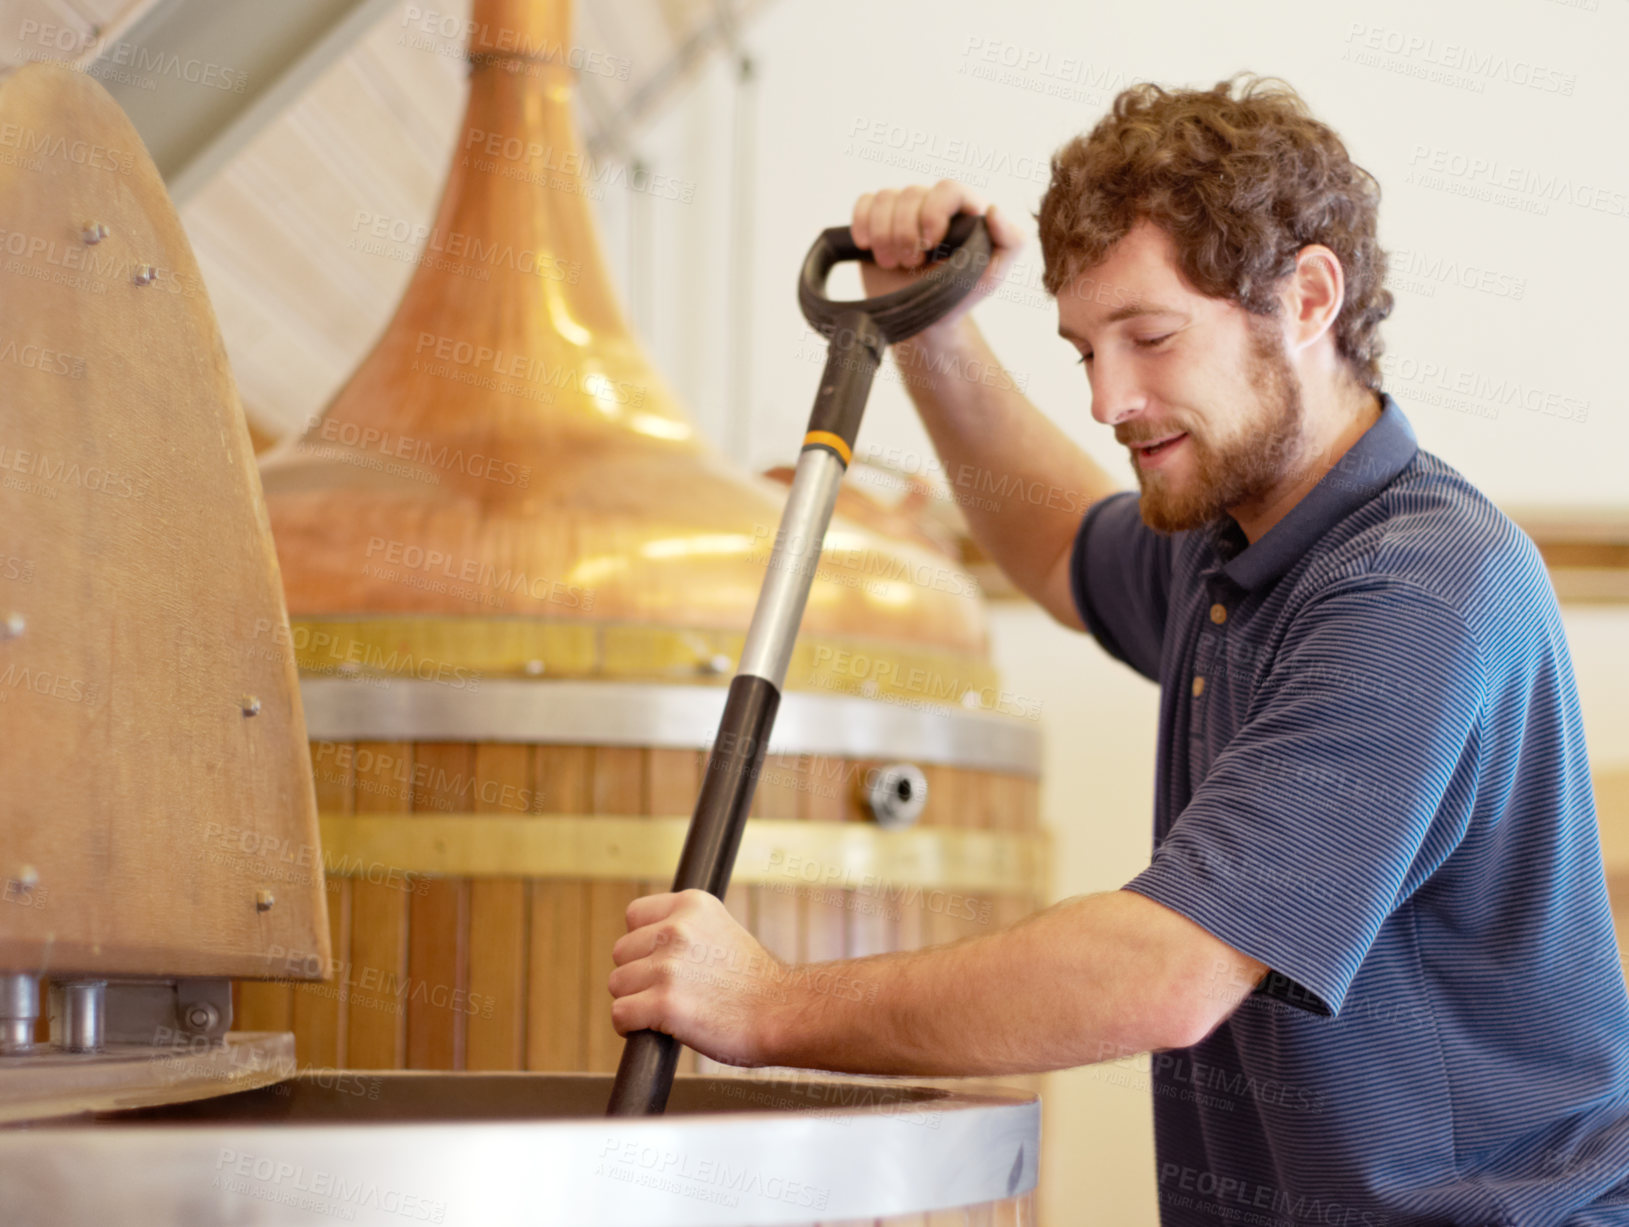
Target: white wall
(843, 84)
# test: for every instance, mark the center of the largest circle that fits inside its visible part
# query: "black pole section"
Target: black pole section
(727, 786)
(645, 1073)
(854, 349)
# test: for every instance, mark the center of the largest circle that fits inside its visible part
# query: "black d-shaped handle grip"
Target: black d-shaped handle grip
(957, 263)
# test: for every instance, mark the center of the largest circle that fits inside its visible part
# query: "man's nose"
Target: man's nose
(1116, 393)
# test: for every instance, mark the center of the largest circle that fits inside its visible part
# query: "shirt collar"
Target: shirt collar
(1369, 465)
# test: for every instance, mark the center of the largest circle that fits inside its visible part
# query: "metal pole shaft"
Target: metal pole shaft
(792, 565)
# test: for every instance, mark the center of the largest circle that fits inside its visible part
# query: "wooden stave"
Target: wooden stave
(371, 922)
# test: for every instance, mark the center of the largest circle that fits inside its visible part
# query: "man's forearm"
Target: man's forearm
(1092, 979)
(1021, 482)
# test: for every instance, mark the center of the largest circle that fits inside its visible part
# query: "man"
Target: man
(1372, 948)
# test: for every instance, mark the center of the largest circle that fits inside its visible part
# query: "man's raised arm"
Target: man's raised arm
(1027, 484)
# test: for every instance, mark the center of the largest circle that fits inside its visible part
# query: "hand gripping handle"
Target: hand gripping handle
(955, 265)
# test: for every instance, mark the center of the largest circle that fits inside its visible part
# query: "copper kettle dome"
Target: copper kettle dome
(508, 449)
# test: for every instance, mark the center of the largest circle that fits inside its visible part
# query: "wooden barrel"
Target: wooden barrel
(482, 845)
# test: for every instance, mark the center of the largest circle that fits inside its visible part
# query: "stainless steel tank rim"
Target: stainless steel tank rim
(656, 714)
(702, 1170)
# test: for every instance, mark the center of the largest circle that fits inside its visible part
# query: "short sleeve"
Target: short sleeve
(1351, 780)
(1120, 578)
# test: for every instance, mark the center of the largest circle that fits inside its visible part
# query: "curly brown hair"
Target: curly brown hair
(1240, 183)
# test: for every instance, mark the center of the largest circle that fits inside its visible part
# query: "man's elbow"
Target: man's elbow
(1178, 1022)
(1203, 997)
(1175, 1014)
(1188, 1022)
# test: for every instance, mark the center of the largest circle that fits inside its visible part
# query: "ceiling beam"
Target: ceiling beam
(199, 78)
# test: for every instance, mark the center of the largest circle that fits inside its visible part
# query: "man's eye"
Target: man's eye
(1140, 342)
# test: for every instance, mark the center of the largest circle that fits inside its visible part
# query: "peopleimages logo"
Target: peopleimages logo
(1459, 62)
(873, 570)
(907, 147)
(800, 872)
(33, 144)
(1039, 70)
(1524, 188)
(1421, 272)
(928, 685)
(484, 363)
(48, 472)
(41, 358)
(112, 57)
(395, 990)
(564, 167)
(1227, 1198)
(703, 1178)
(92, 269)
(398, 776)
(458, 245)
(460, 32)
(431, 453)
(994, 490)
(314, 647)
(433, 562)
(1479, 392)
(301, 1187)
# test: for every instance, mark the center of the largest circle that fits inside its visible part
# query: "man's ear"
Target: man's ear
(1313, 293)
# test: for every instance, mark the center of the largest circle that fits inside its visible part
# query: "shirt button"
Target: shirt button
(1198, 686)
(1218, 614)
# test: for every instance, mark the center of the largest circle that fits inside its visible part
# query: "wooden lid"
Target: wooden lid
(156, 807)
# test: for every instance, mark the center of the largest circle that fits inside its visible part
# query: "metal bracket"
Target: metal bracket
(87, 1015)
(19, 1009)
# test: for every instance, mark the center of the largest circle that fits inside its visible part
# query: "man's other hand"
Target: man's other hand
(685, 967)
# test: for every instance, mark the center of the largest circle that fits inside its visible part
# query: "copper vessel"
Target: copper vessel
(508, 449)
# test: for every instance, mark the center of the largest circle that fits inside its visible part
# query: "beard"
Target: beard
(1256, 452)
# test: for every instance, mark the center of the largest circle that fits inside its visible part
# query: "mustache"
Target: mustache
(1127, 438)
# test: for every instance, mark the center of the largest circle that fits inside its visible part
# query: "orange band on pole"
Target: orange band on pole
(835, 442)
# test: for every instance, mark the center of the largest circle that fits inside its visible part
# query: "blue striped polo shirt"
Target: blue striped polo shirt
(1372, 778)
